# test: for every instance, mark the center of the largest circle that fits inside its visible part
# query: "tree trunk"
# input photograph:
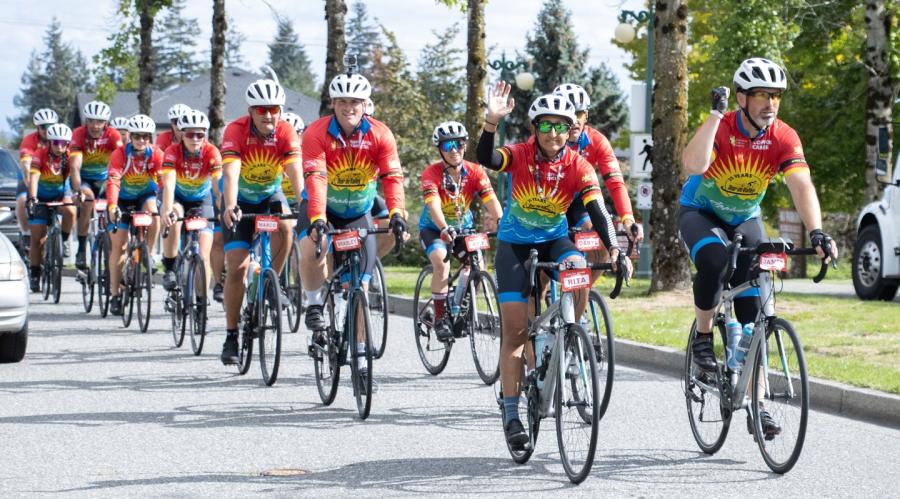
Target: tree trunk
(669, 129)
(217, 73)
(476, 72)
(145, 64)
(879, 92)
(337, 45)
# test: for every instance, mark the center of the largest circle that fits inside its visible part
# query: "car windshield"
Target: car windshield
(8, 166)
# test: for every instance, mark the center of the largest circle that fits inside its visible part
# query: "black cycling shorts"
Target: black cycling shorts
(242, 238)
(509, 265)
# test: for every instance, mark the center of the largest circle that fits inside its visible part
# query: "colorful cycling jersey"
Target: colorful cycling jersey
(740, 169)
(263, 159)
(288, 189)
(454, 199)
(194, 173)
(95, 153)
(30, 145)
(540, 192)
(53, 170)
(341, 173)
(131, 175)
(595, 148)
(164, 140)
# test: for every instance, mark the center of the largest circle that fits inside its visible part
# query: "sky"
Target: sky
(23, 23)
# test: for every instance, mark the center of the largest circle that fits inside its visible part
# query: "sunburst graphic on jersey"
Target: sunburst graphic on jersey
(534, 204)
(747, 180)
(260, 167)
(350, 172)
(448, 206)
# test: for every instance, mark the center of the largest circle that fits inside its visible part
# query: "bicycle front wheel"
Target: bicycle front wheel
(433, 353)
(196, 304)
(378, 309)
(598, 324)
(484, 320)
(577, 393)
(359, 333)
(46, 274)
(781, 388)
(709, 416)
(269, 327)
(325, 352)
(142, 286)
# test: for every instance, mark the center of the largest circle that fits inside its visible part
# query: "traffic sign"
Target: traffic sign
(641, 145)
(644, 195)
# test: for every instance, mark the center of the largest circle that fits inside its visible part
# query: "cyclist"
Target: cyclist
(297, 123)
(543, 177)
(133, 170)
(31, 144)
(190, 172)
(50, 170)
(256, 151)
(168, 137)
(448, 186)
(343, 157)
(92, 145)
(120, 123)
(729, 163)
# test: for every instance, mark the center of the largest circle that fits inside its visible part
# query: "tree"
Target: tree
(174, 47)
(147, 10)
(439, 77)
(609, 111)
(363, 38)
(335, 10)
(52, 79)
(881, 89)
(115, 66)
(233, 41)
(669, 128)
(289, 60)
(217, 72)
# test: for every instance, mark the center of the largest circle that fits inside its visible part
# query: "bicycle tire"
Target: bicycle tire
(484, 319)
(378, 309)
(56, 273)
(532, 424)
(597, 322)
(46, 280)
(175, 302)
(269, 330)
(129, 277)
(362, 380)
(102, 273)
(144, 286)
(245, 343)
(197, 302)
(293, 288)
(433, 353)
(709, 432)
(781, 342)
(577, 363)
(327, 365)
(88, 283)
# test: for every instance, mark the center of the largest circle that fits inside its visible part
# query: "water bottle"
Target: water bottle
(461, 285)
(744, 345)
(252, 280)
(733, 333)
(340, 304)
(540, 343)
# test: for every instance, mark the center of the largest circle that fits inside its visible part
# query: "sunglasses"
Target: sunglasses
(262, 110)
(195, 135)
(546, 126)
(44, 127)
(452, 145)
(60, 143)
(762, 95)
(141, 136)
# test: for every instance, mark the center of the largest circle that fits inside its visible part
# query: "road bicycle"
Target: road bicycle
(292, 287)
(52, 262)
(137, 281)
(96, 276)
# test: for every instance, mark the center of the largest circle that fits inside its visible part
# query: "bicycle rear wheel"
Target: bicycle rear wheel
(46, 277)
(597, 322)
(781, 386)
(433, 353)
(709, 416)
(130, 277)
(378, 309)
(270, 330)
(100, 268)
(324, 350)
(142, 287)
(577, 439)
(56, 274)
(484, 320)
(88, 283)
(532, 422)
(360, 362)
(290, 284)
(175, 303)
(245, 342)
(196, 301)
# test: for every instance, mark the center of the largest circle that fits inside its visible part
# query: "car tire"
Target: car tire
(868, 258)
(12, 346)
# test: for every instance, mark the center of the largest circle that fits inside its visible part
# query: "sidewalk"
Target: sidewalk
(806, 286)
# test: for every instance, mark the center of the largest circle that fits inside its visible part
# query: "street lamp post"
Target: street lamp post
(625, 33)
(524, 81)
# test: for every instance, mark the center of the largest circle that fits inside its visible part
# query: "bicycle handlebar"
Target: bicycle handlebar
(166, 231)
(781, 246)
(462, 234)
(115, 226)
(398, 238)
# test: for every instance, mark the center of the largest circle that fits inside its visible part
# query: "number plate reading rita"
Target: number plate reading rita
(773, 261)
(100, 205)
(266, 223)
(141, 219)
(477, 242)
(346, 241)
(587, 241)
(193, 224)
(573, 279)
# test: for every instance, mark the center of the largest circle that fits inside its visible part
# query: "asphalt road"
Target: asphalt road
(96, 410)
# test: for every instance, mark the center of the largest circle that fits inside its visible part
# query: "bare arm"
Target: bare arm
(803, 193)
(698, 152)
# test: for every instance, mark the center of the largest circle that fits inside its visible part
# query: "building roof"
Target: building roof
(195, 94)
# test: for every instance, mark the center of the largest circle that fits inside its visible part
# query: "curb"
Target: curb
(827, 396)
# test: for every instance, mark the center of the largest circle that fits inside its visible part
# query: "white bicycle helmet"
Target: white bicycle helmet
(576, 95)
(45, 116)
(119, 123)
(354, 86)
(295, 121)
(265, 93)
(141, 123)
(552, 105)
(193, 119)
(370, 107)
(448, 130)
(759, 72)
(177, 111)
(97, 110)
(59, 131)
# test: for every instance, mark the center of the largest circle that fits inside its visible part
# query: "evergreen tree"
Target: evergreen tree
(289, 60)
(363, 38)
(441, 77)
(609, 111)
(174, 46)
(52, 79)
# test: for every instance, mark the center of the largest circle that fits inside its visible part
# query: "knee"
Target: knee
(711, 260)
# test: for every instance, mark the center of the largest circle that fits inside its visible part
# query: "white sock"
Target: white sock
(361, 360)
(314, 297)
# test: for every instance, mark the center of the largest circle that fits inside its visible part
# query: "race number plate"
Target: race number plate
(141, 219)
(477, 242)
(265, 223)
(100, 205)
(587, 241)
(346, 241)
(773, 261)
(573, 279)
(193, 224)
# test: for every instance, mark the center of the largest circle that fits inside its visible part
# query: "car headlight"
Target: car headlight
(12, 271)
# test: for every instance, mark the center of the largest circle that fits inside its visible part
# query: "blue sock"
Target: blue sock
(510, 409)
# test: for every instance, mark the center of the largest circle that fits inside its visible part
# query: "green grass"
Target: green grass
(844, 339)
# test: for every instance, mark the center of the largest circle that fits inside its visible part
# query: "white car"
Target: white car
(13, 299)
